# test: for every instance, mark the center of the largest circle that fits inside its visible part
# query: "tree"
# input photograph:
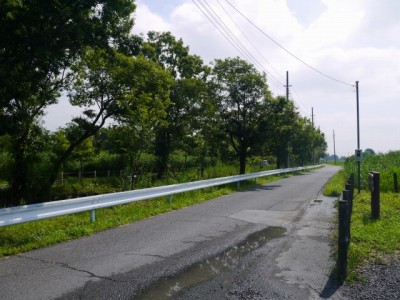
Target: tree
(368, 152)
(189, 74)
(241, 94)
(282, 117)
(307, 142)
(119, 87)
(39, 41)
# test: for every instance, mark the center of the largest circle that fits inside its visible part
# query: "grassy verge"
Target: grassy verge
(33, 235)
(372, 241)
(335, 185)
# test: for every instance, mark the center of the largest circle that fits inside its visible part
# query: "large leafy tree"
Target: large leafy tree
(282, 118)
(39, 41)
(189, 73)
(241, 93)
(111, 85)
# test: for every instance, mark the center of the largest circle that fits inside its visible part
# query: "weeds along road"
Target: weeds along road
(272, 241)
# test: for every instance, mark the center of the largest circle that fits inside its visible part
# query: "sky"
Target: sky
(345, 40)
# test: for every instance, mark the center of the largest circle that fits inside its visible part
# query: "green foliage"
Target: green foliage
(171, 114)
(335, 185)
(374, 240)
(240, 92)
(386, 164)
(40, 42)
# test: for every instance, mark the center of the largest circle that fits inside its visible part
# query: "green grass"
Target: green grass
(33, 235)
(372, 241)
(335, 185)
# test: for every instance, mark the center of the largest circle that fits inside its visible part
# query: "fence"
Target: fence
(89, 174)
(33, 212)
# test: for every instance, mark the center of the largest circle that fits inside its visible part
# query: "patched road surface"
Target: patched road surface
(269, 242)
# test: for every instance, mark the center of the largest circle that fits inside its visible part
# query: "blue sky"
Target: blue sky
(350, 40)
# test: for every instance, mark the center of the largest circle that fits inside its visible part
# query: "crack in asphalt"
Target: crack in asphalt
(65, 265)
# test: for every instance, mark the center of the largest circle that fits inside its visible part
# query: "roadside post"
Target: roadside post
(374, 185)
(343, 239)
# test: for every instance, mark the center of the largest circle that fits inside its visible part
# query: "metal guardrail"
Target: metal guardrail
(34, 212)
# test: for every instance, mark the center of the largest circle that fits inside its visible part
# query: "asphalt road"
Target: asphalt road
(270, 242)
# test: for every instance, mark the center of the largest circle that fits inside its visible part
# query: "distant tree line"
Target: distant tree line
(158, 97)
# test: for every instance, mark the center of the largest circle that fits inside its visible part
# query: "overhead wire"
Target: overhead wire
(250, 42)
(273, 79)
(224, 29)
(221, 26)
(286, 50)
(282, 86)
(248, 54)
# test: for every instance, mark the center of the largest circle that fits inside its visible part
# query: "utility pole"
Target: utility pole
(312, 116)
(358, 151)
(287, 98)
(287, 85)
(312, 123)
(334, 147)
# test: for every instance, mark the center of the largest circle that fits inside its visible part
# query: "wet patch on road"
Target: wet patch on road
(171, 287)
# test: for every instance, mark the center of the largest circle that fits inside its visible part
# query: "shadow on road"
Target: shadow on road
(331, 287)
(262, 188)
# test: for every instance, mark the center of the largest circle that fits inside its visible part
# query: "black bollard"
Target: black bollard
(375, 195)
(342, 240)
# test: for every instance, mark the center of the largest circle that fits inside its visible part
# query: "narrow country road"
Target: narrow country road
(270, 242)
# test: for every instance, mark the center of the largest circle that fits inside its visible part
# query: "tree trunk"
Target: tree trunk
(19, 179)
(162, 152)
(242, 160)
(19, 185)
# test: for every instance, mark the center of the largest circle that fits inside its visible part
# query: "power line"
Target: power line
(251, 43)
(224, 29)
(214, 18)
(286, 50)
(236, 40)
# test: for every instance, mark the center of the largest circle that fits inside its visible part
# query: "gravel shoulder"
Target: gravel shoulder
(379, 281)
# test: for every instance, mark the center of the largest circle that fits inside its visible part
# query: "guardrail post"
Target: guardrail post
(375, 194)
(170, 199)
(342, 239)
(92, 216)
(396, 187)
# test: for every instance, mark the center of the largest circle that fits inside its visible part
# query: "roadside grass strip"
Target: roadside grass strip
(33, 235)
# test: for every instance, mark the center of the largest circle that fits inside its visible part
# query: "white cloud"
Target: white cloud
(145, 20)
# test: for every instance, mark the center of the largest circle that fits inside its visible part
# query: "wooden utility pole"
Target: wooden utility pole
(287, 98)
(287, 85)
(312, 116)
(334, 147)
(358, 151)
(312, 123)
